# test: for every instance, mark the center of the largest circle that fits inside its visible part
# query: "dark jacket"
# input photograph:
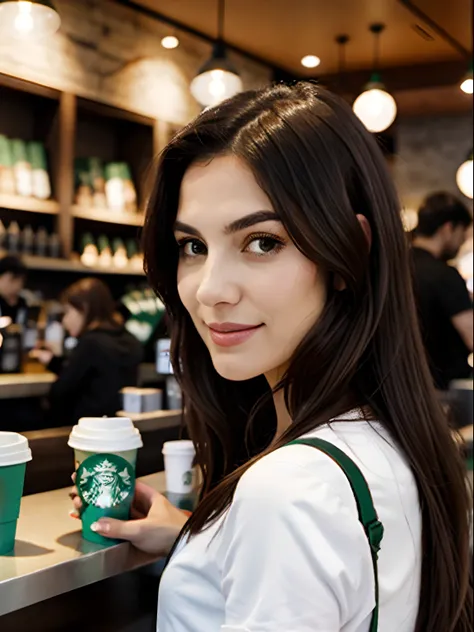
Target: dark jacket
(90, 380)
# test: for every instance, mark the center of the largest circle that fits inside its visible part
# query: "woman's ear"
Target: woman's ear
(364, 224)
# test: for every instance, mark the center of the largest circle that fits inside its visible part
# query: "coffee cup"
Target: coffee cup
(105, 454)
(14, 455)
(179, 471)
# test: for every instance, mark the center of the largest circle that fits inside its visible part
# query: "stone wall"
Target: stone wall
(112, 54)
(429, 152)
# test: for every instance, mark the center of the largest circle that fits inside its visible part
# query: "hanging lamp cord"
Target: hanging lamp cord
(220, 19)
(341, 42)
(376, 29)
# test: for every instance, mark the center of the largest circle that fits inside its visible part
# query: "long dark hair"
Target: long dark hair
(94, 300)
(319, 167)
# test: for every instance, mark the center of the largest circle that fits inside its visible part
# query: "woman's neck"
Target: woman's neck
(283, 416)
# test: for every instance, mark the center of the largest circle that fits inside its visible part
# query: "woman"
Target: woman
(105, 359)
(274, 239)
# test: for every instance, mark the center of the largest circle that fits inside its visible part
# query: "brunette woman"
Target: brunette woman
(105, 359)
(274, 238)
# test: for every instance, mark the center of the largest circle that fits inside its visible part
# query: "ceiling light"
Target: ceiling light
(170, 41)
(217, 80)
(21, 19)
(375, 107)
(310, 61)
(464, 177)
(467, 82)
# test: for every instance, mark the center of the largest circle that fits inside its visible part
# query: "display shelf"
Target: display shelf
(33, 262)
(106, 215)
(28, 204)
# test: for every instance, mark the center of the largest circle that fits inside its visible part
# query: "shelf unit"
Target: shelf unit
(71, 127)
(52, 264)
(108, 216)
(28, 204)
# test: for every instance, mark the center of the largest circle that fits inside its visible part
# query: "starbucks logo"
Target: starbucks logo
(105, 480)
(187, 478)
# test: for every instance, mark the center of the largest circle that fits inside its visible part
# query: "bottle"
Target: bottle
(3, 236)
(54, 246)
(13, 238)
(89, 254)
(21, 168)
(41, 242)
(28, 240)
(11, 350)
(41, 185)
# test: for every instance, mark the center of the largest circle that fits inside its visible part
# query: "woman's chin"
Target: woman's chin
(235, 371)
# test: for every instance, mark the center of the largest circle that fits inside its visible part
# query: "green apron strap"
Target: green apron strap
(365, 505)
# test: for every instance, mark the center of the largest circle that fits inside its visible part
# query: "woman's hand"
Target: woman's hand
(154, 526)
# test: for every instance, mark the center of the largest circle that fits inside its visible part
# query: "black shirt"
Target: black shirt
(16, 312)
(441, 293)
(89, 382)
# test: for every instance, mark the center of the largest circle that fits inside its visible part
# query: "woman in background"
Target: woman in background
(105, 360)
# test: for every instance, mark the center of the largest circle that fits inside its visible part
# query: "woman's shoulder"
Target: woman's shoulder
(290, 473)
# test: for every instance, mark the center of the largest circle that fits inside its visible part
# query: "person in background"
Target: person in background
(105, 360)
(444, 305)
(12, 281)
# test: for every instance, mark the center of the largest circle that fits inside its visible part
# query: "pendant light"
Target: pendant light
(464, 177)
(20, 19)
(217, 80)
(375, 107)
(467, 81)
(341, 41)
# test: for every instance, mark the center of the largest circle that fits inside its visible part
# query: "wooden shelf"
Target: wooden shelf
(33, 262)
(29, 204)
(106, 215)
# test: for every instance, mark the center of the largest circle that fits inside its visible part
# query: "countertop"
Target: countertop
(50, 556)
(37, 383)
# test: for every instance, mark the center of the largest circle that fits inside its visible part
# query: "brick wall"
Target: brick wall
(429, 152)
(110, 53)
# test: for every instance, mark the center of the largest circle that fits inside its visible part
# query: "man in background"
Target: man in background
(12, 281)
(444, 305)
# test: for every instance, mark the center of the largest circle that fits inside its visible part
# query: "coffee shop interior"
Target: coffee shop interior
(90, 92)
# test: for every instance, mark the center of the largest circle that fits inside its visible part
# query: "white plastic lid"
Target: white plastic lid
(13, 449)
(105, 434)
(178, 447)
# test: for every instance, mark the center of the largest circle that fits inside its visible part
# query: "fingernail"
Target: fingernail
(103, 527)
(73, 514)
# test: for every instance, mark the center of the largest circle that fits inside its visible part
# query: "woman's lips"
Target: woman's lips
(230, 335)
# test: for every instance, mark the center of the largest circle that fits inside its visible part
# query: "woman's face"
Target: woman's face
(250, 292)
(73, 321)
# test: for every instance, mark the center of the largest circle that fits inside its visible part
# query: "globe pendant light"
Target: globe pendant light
(464, 177)
(217, 80)
(20, 19)
(375, 107)
(467, 83)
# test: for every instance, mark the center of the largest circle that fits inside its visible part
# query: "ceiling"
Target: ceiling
(281, 32)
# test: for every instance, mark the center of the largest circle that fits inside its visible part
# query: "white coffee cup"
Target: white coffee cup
(179, 471)
(113, 435)
(14, 449)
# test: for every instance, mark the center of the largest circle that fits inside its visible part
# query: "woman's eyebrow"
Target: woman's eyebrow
(239, 224)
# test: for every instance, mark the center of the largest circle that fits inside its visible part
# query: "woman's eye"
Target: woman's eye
(264, 246)
(192, 248)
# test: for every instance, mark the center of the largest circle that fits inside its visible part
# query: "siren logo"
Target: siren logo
(105, 480)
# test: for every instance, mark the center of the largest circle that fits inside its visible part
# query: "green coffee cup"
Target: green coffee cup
(14, 454)
(105, 452)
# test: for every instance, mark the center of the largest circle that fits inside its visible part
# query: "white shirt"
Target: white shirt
(290, 554)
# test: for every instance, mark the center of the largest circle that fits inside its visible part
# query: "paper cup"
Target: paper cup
(105, 453)
(178, 458)
(14, 454)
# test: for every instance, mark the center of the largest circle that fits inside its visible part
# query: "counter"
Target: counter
(51, 557)
(37, 383)
(15, 386)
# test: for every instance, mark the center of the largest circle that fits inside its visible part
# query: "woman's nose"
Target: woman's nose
(218, 283)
